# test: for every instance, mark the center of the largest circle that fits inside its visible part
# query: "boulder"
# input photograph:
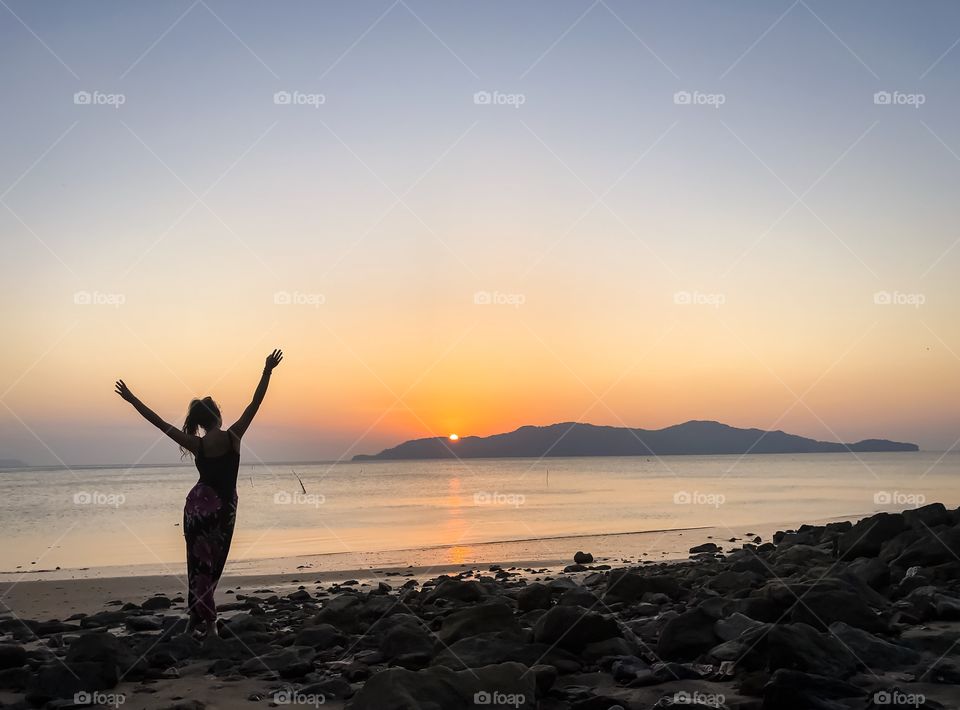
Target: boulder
(534, 596)
(873, 652)
(12, 655)
(869, 534)
(478, 619)
(583, 558)
(440, 688)
(572, 627)
(686, 636)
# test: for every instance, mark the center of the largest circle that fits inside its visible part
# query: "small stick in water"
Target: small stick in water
(299, 481)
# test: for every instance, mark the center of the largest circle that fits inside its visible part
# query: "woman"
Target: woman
(211, 507)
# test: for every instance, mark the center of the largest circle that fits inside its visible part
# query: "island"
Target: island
(579, 439)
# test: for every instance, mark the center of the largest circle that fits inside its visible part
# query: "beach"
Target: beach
(822, 616)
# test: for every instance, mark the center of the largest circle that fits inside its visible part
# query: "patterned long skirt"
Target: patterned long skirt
(208, 522)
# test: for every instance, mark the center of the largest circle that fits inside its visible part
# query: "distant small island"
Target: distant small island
(576, 439)
(12, 463)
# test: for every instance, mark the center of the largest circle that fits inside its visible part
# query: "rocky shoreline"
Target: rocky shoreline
(831, 617)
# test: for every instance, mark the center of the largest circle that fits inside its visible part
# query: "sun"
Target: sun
(454, 437)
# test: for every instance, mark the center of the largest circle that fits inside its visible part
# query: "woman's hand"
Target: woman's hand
(124, 391)
(273, 359)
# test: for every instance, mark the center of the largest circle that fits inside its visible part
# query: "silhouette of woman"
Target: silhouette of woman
(210, 510)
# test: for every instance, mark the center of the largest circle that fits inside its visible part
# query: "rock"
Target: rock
(534, 596)
(12, 655)
(873, 652)
(482, 618)
(290, 662)
(583, 558)
(301, 595)
(320, 636)
(326, 689)
(686, 636)
(544, 676)
(873, 572)
(820, 609)
(868, 535)
(57, 680)
(795, 690)
(624, 585)
(485, 650)
(579, 597)
(927, 516)
(574, 568)
(144, 623)
(156, 603)
(798, 647)
(572, 627)
(705, 547)
(407, 643)
(734, 625)
(439, 688)
(457, 590)
(730, 581)
(108, 650)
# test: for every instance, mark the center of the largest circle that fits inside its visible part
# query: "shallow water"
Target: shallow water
(130, 518)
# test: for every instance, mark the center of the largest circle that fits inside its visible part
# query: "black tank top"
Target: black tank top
(219, 472)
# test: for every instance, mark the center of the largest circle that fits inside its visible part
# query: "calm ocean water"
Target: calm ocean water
(130, 518)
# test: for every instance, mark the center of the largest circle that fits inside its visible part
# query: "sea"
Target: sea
(61, 523)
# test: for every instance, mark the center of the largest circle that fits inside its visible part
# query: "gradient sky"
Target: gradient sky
(595, 207)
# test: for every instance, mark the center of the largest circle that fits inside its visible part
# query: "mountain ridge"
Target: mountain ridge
(694, 437)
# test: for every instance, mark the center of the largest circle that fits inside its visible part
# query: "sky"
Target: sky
(467, 217)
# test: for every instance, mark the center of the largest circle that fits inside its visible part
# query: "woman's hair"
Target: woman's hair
(201, 414)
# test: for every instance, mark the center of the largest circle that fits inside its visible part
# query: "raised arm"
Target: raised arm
(185, 440)
(240, 426)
